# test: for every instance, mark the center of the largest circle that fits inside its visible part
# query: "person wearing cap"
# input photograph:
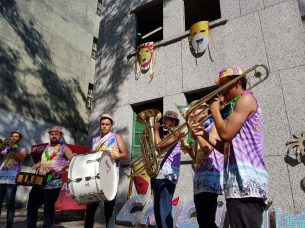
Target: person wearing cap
(164, 184)
(118, 151)
(245, 175)
(11, 159)
(54, 159)
(208, 165)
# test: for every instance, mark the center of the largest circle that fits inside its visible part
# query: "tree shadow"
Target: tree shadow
(31, 84)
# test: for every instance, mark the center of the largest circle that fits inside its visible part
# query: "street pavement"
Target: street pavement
(70, 219)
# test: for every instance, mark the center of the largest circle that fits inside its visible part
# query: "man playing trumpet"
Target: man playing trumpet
(11, 158)
(245, 176)
(208, 176)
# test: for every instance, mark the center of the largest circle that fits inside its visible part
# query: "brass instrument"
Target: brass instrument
(151, 152)
(6, 142)
(187, 110)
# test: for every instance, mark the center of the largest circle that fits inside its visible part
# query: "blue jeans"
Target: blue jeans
(108, 212)
(9, 191)
(37, 197)
(163, 197)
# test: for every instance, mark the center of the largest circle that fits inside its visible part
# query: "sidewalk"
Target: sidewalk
(69, 219)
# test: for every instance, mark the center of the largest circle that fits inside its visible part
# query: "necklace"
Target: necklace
(56, 150)
(229, 110)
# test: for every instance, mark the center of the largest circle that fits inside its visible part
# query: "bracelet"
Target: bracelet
(117, 155)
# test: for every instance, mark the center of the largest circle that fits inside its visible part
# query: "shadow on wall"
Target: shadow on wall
(29, 82)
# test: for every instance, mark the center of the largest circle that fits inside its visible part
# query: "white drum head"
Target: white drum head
(108, 176)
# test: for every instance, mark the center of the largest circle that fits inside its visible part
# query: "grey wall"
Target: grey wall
(46, 64)
(259, 31)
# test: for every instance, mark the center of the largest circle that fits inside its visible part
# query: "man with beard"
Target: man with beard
(54, 159)
(11, 159)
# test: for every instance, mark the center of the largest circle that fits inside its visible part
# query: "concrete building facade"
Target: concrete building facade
(46, 67)
(247, 33)
(46, 50)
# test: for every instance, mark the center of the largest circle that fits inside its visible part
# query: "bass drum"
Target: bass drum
(92, 177)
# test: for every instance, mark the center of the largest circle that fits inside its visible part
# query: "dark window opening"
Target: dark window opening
(99, 8)
(200, 10)
(150, 25)
(94, 47)
(89, 96)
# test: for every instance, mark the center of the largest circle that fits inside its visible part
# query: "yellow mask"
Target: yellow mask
(199, 33)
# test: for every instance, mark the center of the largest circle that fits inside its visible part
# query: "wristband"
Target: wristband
(119, 156)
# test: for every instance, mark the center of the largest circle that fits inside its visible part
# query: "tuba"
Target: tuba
(149, 161)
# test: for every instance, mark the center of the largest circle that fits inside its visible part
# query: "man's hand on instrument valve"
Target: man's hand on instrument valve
(216, 104)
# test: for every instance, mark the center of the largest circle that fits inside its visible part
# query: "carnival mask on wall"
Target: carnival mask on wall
(146, 57)
(199, 33)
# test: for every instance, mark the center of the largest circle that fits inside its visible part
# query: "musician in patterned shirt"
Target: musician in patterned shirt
(118, 151)
(11, 159)
(245, 175)
(55, 158)
(164, 184)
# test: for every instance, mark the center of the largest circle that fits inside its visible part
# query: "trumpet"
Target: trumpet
(6, 142)
(187, 110)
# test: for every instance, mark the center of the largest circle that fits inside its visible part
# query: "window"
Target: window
(89, 96)
(150, 25)
(138, 128)
(200, 10)
(99, 8)
(94, 47)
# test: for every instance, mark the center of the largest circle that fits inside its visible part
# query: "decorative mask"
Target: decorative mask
(141, 182)
(146, 56)
(199, 33)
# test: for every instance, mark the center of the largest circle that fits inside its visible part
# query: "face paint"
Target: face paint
(199, 33)
(141, 181)
(145, 52)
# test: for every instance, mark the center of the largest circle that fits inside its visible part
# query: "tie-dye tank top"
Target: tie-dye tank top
(208, 170)
(9, 167)
(52, 164)
(171, 167)
(245, 173)
(111, 145)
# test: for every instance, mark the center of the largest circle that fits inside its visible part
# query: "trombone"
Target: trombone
(187, 110)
